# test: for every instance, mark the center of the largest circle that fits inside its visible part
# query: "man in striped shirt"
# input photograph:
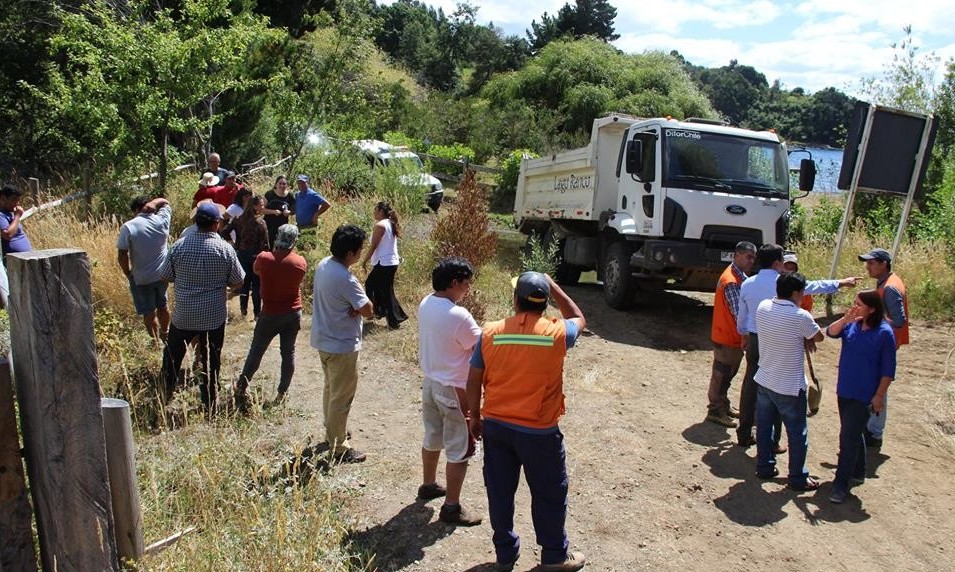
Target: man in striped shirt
(784, 330)
(754, 290)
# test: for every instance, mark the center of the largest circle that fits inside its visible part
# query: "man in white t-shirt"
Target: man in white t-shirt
(784, 329)
(446, 337)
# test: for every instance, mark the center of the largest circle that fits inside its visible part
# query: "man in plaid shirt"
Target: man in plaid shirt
(201, 266)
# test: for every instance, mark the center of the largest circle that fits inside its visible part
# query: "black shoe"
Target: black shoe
(350, 456)
(432, 491)
(746, 441)
(872, 441)
(768, 476)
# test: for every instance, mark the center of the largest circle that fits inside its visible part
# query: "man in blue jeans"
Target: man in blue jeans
(784, 329)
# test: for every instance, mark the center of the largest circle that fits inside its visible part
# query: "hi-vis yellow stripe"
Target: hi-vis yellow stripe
(522, 340)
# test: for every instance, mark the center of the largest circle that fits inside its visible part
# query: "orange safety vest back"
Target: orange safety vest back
(901, 334)
(524, 370)
(724, 331)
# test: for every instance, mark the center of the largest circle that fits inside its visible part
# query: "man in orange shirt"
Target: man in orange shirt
(878, 263)
(519, 363)
(727, 346)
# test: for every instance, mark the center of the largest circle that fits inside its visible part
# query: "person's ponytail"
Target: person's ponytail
(392, 216)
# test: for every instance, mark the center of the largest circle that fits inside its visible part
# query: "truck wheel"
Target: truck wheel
(619, 285)
(566, 274)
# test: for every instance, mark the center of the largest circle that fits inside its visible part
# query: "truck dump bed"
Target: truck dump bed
(573, 185)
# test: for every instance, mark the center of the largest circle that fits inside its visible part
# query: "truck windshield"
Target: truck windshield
(715, 162)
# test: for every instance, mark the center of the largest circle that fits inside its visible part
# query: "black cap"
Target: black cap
(532, 286)
(877, 254)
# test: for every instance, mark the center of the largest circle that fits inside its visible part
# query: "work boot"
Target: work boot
(574, 561)
(721, 418)
(457, 514)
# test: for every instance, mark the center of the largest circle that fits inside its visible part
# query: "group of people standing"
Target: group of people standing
(764, 316)
(242, 243)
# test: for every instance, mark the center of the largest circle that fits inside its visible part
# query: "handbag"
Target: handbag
(814, 392)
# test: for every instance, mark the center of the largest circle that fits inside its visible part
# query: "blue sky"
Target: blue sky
(810, 43)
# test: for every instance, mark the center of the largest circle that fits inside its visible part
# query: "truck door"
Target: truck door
(639, 190)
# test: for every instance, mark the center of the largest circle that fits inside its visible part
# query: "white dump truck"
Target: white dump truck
(657, 203)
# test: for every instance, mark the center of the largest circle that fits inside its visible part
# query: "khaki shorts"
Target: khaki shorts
(444, 423)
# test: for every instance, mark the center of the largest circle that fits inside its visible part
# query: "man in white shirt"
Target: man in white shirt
(784, 330)
(446, 337)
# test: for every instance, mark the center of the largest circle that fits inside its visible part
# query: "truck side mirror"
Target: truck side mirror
(807, 175)
(634, 156)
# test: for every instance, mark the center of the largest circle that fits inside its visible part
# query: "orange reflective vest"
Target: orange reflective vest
(724, 324)
(524, 370)
(901, 334)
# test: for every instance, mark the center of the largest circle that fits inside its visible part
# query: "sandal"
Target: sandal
(811, 484)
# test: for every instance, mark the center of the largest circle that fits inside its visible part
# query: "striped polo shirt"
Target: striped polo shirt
(782, 328)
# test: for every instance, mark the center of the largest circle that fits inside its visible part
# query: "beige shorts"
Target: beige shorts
(444, 423)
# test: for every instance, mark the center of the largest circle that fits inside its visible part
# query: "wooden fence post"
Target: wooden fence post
(121, 462)
(54, 361)
(16, 517)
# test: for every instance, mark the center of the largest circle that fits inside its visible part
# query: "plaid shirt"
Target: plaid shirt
(731, 292)
(201, 266)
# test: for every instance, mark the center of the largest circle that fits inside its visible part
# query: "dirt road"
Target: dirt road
(653, 486)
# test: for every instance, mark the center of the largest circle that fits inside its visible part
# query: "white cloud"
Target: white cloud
(670, 16)
(813, 43)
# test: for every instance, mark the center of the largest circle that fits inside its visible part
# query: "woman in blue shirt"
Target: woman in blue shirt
(866, 368)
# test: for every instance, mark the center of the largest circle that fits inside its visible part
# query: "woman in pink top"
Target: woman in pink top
(383, 254)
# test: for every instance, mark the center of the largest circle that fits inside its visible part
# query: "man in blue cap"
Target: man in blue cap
(519, 363)
(878, 264)
(309, 205)
(201, 266)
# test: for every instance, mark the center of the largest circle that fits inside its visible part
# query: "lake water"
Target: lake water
(828, 163)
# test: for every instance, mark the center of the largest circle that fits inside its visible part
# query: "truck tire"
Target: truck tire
(619, 285)
(566, 274)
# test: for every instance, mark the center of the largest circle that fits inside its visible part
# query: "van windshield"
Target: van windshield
(409, 161)
(716, 162)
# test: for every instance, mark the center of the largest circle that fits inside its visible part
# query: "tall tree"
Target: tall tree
(585, 18)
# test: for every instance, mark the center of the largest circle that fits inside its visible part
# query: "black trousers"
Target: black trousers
(208, 354)
(380, 287)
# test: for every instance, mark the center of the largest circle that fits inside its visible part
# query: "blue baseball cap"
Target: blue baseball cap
(877, 254)
(532, 286)
(208, 211)
(303, 178)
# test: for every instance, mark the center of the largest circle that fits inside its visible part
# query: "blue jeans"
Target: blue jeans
(770, 406)
(853, 416)
(876, 424)
(506, 450)
(286, 327)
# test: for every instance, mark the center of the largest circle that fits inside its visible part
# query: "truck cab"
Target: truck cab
(657, 203)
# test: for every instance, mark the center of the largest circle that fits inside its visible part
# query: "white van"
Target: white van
(385, 154)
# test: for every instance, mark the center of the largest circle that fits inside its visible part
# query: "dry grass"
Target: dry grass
(928, 275)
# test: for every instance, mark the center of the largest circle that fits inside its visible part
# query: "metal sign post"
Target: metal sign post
(850, 199)
(910, 196)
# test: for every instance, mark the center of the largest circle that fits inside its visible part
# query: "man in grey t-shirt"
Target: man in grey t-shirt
(338, 305)
(141, 251)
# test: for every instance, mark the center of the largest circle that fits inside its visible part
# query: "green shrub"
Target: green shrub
(502, 199)
(538, 257)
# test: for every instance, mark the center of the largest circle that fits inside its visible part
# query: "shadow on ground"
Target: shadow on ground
(400, 541)
(661, 320)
